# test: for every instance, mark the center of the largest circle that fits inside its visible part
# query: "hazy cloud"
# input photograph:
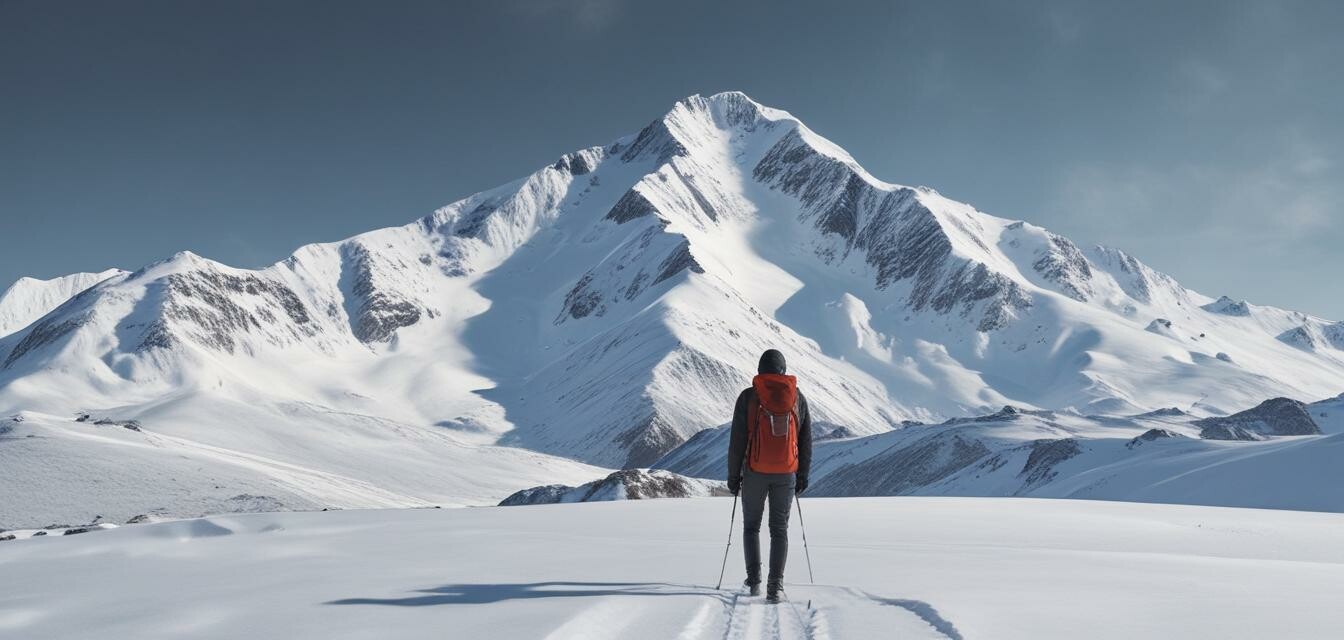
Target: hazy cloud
(1284, 197)
(583, 15)
(1198, 84)
(1064, 25)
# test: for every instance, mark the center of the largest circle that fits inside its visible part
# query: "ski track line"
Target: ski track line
(752, 618)
(733, 629)
(808, 622)
(756, 622)
(807, 626)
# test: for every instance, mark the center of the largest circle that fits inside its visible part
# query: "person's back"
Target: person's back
(769, 457)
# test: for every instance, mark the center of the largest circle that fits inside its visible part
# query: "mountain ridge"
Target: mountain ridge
(610, 305)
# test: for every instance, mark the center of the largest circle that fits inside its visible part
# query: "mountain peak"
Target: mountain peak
(30, 298)
(587, 300)
(731, 107)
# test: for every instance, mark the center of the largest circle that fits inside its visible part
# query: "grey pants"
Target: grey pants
(757, 489)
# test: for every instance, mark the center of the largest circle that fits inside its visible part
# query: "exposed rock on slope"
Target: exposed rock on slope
(1274, 417)
(29, 299)
(610, 305)
(627, 484)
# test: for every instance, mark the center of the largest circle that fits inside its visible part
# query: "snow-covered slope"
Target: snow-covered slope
(226, 458)
(609, 306)
(1161, 456)
(29, 299)
(918, 568)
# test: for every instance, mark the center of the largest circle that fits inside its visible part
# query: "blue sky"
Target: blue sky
(1203, 137)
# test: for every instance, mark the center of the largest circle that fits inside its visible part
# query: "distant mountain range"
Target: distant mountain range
(603, 311)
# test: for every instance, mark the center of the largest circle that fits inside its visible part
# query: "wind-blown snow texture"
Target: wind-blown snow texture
(609, 306)
(917, 568)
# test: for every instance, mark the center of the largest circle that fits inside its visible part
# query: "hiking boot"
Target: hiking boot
(753, 588)
(772, 591)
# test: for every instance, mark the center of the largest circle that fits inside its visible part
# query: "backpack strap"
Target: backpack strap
(753, 415)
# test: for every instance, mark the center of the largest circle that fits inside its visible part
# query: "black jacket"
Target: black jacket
(737, 444)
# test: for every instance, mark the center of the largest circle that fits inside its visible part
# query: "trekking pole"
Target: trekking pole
(732, 521)
(798, 501)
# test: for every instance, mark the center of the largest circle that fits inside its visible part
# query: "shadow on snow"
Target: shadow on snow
(488, 593)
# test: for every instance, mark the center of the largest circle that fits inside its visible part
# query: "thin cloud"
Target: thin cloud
(1286, 197)
(1197, 83)
(1065, 26)
(589, 16)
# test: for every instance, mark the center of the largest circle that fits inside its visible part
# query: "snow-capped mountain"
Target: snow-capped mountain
(29, 298)
(610, 305)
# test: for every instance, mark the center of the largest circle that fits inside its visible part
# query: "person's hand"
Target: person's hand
(799, 485)
(734, 485)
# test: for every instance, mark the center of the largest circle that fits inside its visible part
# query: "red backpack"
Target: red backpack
(772, 424)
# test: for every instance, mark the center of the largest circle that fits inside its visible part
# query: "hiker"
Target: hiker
(769, 456)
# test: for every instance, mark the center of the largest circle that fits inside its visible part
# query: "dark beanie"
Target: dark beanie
(772, 361)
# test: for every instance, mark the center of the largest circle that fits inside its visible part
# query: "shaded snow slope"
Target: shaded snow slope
(930, 568)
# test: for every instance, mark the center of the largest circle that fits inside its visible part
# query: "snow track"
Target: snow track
(831, 612)
(913, 568)
(752, 617)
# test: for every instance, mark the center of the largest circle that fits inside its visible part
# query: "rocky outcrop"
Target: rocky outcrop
(375, 313)
(1064, 264)
(1301, 337)
(1228, 307)
(624, 274)
(900, 238)
(910, 468)
(44, 332)
(215, 309)
(1044, 457)
(627, 484)
(1169, 412)
(631, 206)
(1151, 435)
(1274, 417)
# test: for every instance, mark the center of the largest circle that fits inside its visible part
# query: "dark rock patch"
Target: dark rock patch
(377, 314)
(1150, 436)
(1169, 412)
(1044, 457)
(44, 332)
(630, 484)
(904, 469)
(1273, 417)
(1228, 307)
(679, 260)
(631, 206)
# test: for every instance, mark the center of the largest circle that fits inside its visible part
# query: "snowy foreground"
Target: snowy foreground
(886, 568)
